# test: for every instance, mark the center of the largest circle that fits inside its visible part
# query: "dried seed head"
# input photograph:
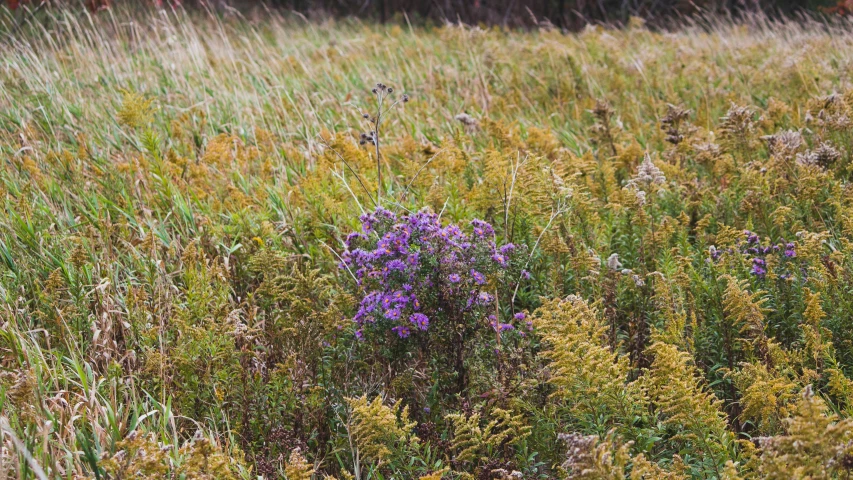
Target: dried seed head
(602, 110)
(672, 124)
(613, 262)
(405, 98)
(647, 174)
(827, 154)
(390, 90)
(466, 120)
(364, 115)
(824, 156)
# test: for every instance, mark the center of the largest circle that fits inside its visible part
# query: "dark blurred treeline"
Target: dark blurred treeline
(566, 14)
(570, 14)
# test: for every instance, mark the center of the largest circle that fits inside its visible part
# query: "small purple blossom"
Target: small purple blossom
(420, 320)
(400, 297)
(757, 253)
(413, 259)
(715, 254)
(402, 331)
(498, 326)
(482, 229)
(454, 278)
(500, 259)
(506, 249)
(396, 264)
(519, 316)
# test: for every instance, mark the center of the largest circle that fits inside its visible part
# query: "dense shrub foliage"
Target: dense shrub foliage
(617, 254)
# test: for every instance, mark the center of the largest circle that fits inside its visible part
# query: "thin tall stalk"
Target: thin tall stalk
(382, 92)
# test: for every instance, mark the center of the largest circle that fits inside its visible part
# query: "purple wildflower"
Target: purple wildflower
(507, 249)
(400, 297)
(482, 229)
(352, 237)
(499, 259)
(419, 320)
(484, 298)
(395, 265)
(400, 261)
(402, 331)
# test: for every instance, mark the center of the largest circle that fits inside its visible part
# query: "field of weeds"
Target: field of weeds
(253, 246)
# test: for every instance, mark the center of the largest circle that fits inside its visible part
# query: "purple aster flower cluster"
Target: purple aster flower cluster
(413, 270)
(757, 252)
(498, 326)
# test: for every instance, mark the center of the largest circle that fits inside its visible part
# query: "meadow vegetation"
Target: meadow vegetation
(611, 254)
